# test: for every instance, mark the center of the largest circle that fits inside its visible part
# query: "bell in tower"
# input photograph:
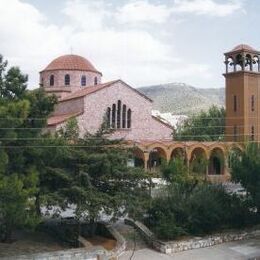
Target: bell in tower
(242, 94)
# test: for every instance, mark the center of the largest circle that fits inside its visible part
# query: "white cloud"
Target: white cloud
(29, 40)
(143, 11)
(207, 7)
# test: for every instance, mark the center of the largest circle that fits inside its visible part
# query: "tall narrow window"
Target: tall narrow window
(118, 114)
(67, 80)
(252, 133)
(124, 117)
(83, 80)
(235, 103)
(108, 117)
(114, 116)
(129, 112)
(252, 103)
(95, 81)
(235, 133)
(51, 80)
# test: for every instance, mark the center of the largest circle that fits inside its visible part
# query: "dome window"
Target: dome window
(95, 81)
(52, 80)
(67, 80)
(83, 80)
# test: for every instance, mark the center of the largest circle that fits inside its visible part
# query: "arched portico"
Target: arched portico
(198, 161)
(156, 156)
(216, 162)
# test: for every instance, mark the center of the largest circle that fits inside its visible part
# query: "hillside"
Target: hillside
(179, 98)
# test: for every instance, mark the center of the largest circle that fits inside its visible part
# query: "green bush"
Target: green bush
(185, 209)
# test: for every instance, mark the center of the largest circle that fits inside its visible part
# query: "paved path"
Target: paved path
(246, 249)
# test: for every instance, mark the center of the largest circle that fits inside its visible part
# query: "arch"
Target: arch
(113, 120)
(129, 118)
(179, 152)
(234, 154)
(124, 117)
(239, 62)
(248, 62)
(118, 123)
(52, 80)
(199, 160)
(83, 80)
(67, 80)
(95, 81)
(156, 156)
(217, 162)
(138, 157)
(230, 65)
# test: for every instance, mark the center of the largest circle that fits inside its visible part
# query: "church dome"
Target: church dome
(71, 62)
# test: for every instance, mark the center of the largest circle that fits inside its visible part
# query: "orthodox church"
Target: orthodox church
(82, 94)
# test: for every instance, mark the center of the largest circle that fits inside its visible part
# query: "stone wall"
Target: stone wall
(95, 253)
(171, 247)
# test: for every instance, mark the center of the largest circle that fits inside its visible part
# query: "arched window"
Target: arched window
(118, 125)
(252, 133)
(67, 80)
(235, 103)
(95, 81)
(129, 114)
(51, 80)
(252, 103)
(124, 117)
(108, 117)
(114, 116)
(83, 80)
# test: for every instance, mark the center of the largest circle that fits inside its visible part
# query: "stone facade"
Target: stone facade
(94, 106)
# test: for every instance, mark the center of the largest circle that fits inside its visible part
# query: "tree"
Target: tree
(245, 170)
(206, 126)
(20, 128)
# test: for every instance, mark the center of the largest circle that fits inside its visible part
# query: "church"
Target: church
(82, 95)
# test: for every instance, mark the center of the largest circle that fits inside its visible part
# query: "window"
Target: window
(252, 103)
(83, 80)
(235, 104)
(124, 117)
(95, 81)
(252, 133)
(235, 133)
(118, 114)
(67, 80)
(114, 116)
(51, 80)
(129, 114)
(108, 117)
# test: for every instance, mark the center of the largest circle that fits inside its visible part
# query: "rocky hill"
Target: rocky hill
(180, 98)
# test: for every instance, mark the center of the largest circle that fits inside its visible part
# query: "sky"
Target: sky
(143, 42)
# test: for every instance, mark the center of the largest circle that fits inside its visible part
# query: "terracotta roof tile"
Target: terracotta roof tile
(54, 120)
(92, 89)
(71, 62)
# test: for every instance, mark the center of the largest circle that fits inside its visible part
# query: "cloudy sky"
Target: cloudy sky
(143, 42)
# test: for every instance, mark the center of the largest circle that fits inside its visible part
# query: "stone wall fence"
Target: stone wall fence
(171, 247)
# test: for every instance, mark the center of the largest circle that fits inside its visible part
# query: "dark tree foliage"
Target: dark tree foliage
(246, 171)
(206, 126)
(18, 175)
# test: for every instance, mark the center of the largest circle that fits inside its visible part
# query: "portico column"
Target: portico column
(146, 159)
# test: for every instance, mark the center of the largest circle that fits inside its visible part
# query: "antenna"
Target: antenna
(71, 49)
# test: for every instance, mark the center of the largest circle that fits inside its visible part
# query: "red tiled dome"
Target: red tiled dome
(71, 62)
(243, 47)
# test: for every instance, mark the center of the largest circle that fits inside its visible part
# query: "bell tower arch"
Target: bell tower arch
(242, 78)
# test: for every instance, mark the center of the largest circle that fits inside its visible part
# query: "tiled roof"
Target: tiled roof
(243, 47)
(71, 62)
(92, 89)
(54, 120)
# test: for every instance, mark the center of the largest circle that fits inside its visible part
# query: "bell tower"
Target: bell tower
(242, 94)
